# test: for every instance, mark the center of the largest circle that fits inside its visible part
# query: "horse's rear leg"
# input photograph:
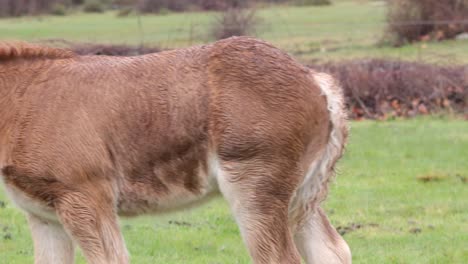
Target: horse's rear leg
(52, 245)
(318, 242)
(259, 202)
(93, 224)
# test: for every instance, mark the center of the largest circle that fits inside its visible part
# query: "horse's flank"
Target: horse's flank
(83, 139)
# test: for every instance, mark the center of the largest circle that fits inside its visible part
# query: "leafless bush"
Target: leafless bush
(34, 7)
(236, 22)
(58, 9)
(155, 6)
(313, 2)
(112, 50)
(93, 6)
(22, 7)
(101, 49)
(223, 4)
(414, 20)
(385, 88)
(212, 4)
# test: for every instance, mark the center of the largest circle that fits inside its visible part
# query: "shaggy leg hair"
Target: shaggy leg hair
(319, 242)
(261, 216)
(93, 224)
(52, 245)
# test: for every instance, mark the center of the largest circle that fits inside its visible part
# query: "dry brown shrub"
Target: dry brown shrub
(93, 6)
(102, 49)
(236, 22)
(112, 50)
(155, 6)
(383, 89)
(415, 20)
(223, 4)
(26, 7)
(313, 2)
(38, 7)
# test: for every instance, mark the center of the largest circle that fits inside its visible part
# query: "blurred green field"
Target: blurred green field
(380, 198)
(347, 29)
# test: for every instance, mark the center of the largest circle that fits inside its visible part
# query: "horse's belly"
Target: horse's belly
(170, 188)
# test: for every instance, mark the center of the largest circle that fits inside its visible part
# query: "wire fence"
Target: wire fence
(334, 40)
(312, 34)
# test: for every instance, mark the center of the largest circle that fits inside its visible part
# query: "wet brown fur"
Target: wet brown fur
(92, 137)
(22, 50)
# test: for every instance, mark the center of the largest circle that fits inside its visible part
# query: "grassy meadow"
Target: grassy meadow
(401, 194)
(401, 197)
(347, 29)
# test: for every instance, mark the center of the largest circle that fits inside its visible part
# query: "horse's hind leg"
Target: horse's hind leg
(259, 201)
(52, 245)
(318, 242)
(92, 222)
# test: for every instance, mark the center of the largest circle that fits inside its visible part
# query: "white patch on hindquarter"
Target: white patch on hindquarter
(318, 244)
(314, 186)
(26, 203)
(233, 194)
(29, 205)
(52, 245)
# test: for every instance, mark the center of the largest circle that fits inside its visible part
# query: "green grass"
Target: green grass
(347, 29)
(378, 187)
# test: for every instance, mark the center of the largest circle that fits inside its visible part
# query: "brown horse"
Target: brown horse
(84, 139)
